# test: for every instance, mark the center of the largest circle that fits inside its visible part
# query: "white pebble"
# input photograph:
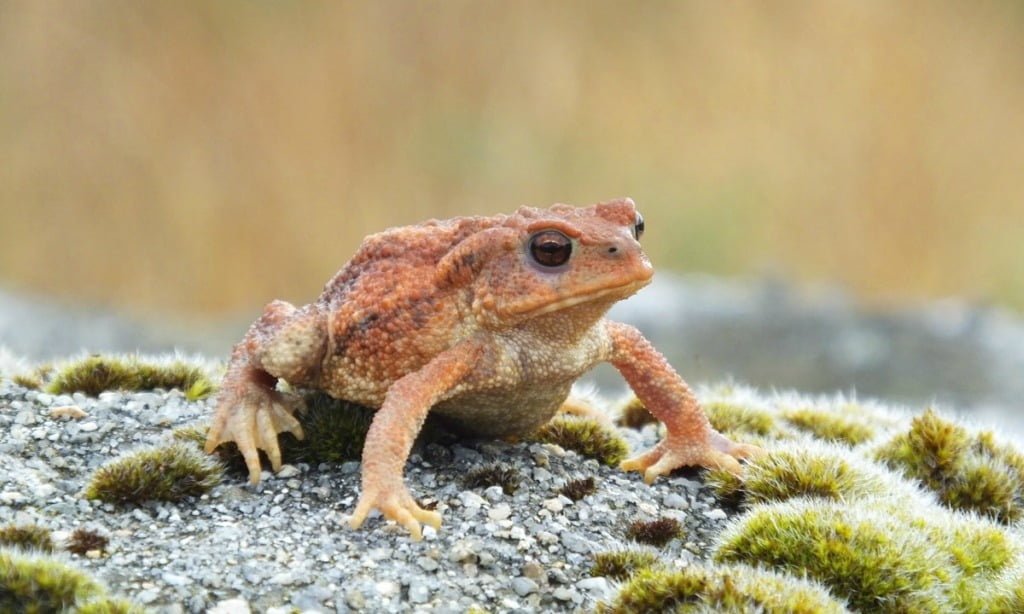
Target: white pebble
(230, 606)
(715, 514)
(68, 411)
(553, 505)
(500, 512)
(288, 471)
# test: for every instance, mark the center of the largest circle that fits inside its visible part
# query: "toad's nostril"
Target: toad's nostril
(612, 250)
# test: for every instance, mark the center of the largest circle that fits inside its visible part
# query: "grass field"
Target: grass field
(200, 158)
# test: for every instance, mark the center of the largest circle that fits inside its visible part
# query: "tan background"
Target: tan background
(201, 158)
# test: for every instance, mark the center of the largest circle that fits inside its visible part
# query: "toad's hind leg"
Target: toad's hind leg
(286, 343)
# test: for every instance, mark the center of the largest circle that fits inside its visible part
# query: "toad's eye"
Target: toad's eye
(550, 248)
(638, 226)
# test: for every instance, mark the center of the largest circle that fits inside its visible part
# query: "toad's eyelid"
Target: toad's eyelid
(567, 229)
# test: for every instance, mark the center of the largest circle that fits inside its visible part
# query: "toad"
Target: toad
(486, 321)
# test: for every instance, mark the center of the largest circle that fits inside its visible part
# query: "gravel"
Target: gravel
(284, 543)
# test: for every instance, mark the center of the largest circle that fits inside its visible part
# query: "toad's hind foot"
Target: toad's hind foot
(252, 415)
(395, 504)
(714, 452)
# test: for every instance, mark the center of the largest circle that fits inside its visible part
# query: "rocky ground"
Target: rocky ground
(284, 543)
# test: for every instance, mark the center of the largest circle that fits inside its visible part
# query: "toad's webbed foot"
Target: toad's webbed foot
(252, 414)
(712, 452)
(395, 502)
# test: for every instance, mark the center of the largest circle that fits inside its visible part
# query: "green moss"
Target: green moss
(192, 433)
(26, 536)
(829, 425)
(658, 532)
(85, 540)
(634, 415)
(495, 474)
(334, 430)
(110, 606)
(621, 564)
(787, 473)
(228, 454)
(587, 437)
(168, 473)
(28, 380)
(35, 379)
(932, 449)
(984, 486)
(874, 559)
(97, 374)
(967, 472)
(728, 589)
(731, 418)
(35, 584)
(578, 489)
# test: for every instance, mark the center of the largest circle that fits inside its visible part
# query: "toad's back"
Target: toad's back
(386, 312)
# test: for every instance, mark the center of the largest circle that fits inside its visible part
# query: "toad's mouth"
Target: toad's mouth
(586, 295)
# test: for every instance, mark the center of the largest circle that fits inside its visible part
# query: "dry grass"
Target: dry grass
(202, 157)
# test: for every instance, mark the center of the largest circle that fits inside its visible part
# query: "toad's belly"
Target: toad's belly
(498, 413)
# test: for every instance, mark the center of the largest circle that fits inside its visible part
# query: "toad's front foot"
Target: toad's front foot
(713, 452)
(251, 415)
(395, 502)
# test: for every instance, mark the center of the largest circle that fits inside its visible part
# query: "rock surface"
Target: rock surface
(284, 542)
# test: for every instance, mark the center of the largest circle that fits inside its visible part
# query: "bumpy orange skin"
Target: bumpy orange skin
(459, 317)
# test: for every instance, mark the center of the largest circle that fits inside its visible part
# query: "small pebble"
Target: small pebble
(418, 592)
(499, 512)
(230, 606)
(716, 514)
(287, 471)
(524, 586)
(67, 411)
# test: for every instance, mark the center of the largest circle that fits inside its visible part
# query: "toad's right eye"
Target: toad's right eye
(550, 248)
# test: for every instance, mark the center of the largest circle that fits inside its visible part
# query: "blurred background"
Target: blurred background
(190, 161)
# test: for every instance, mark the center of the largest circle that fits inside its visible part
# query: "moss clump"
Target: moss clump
(658, 532)
(193, 434)
(621, 564)
(85, 540)
(587, 437)
(495, 474)
(97, 374)
(967, 472)
(110, 606)
(334, 430)
(35, 584)
(227, 453)
(829, 426)
(787, 473)
(27, 536)
(876, 560)
(727, 589)
(578, 489)
(634, 415)
(730, 418)
(168, 473)
(28, 380)
(35, 379)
